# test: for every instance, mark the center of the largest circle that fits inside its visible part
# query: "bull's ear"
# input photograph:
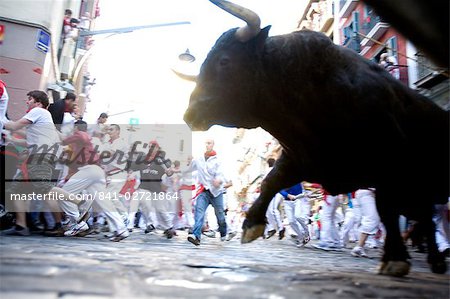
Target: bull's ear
(261, 38)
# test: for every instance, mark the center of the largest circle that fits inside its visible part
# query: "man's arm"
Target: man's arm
(228, 184)
(17, 125)
(190, 167)
(284, 193)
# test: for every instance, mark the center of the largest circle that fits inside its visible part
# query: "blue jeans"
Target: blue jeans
(204, 199)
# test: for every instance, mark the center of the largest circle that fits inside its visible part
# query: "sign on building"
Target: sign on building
(43, 41)
(134, 121)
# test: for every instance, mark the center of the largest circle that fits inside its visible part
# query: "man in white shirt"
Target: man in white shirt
(211, 179)
(42, 143)
(114, 166)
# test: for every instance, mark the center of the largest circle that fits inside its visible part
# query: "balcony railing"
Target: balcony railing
(423, 68)
(370, 22)
(373, 27)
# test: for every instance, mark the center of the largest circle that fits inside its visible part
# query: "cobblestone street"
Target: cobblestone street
(154, 267)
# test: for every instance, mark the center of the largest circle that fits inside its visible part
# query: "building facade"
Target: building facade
(363, 31)
(30, 38)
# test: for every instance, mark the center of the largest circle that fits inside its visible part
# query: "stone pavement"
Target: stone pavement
(151, 266)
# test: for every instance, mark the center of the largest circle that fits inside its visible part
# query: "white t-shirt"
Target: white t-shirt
(120, 154)
(42, 132)
(168, 181)
(67, 124)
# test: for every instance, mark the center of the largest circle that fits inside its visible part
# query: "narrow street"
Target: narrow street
(153, 267)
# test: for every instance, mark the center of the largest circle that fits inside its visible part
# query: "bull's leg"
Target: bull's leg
(395, 258)
(281, 176)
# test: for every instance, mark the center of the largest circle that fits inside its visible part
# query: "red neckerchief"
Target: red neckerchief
(28, 109)
(210, 154)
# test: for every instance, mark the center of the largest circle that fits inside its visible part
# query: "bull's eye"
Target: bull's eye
(224, 61)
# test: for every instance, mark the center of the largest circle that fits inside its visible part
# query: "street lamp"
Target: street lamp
(75, 80)
(186, 56)
(112, 32)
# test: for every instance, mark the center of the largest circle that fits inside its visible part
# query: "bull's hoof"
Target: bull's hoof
(439, 267)
(252, 233)
(394, 268)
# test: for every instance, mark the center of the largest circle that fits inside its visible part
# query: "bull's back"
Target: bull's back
(359, 126)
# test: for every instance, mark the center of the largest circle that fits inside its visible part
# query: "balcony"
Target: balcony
(326, 9)
(427, 73)
(318, 16)
(346, 7)
(373, 27)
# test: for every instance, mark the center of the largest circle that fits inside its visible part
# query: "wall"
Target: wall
(24, 66)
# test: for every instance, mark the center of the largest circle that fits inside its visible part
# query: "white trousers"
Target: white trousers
(442, 227)
(186, 205)
(348, 228)
(91, 179)
(165, 210)
(143, 200)
(114, 185)
(273, 214)
(296, 223)
(329, 233)
(370, 220)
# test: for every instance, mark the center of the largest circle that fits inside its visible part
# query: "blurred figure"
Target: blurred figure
(370, 220)
(440, 218)
(68, 49)
(329, 236)
(186, 191)
(100, 128)
(347, 230)
(273, 215)
(115, 167)
(390, 64)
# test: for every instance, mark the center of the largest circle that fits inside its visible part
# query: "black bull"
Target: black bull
(342, 120)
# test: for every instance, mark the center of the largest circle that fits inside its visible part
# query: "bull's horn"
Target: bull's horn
(192, 78)
(252, 28)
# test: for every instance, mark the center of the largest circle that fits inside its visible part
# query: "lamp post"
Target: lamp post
(122, 112)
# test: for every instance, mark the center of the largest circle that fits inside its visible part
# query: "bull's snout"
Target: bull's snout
(191, 119)
(188, 117)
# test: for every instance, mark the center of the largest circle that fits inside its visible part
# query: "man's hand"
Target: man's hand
(216, 183)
